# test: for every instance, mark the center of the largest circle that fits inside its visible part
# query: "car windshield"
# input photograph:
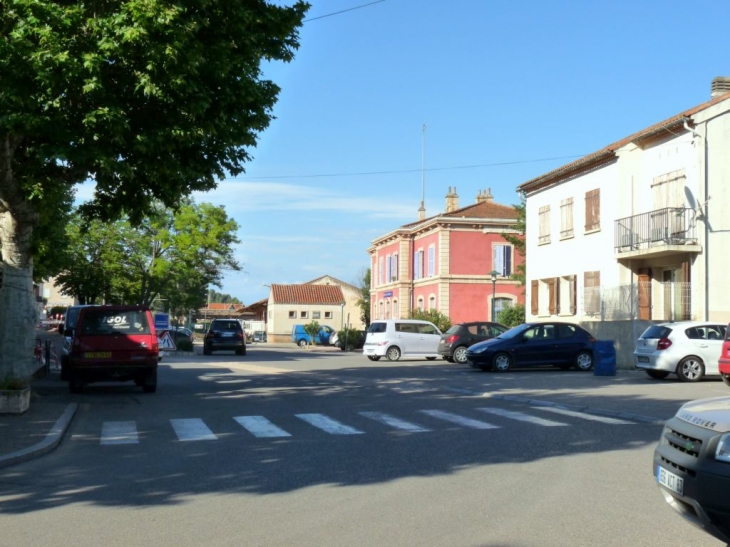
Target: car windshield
(513, 332)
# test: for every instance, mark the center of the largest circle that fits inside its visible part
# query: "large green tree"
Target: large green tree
(150, 99)
(518, 241)
(171, 256)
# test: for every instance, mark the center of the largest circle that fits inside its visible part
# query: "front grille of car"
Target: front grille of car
(683, 443)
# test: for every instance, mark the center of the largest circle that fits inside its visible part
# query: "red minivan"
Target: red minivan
(114, 343)
(724, 363)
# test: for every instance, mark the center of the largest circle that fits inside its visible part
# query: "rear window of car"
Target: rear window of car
(108, 322)
(656, 332)
(232, 326)
(454, 329)
(377, 327)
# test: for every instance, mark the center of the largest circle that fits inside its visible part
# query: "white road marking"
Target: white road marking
(260, 426)
(328, 424)
(119, 433)
(520, 416)
(394, 422)
(460, 420)
(593, 417)
(192, 429)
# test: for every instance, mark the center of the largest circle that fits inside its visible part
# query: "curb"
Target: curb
(53, 438)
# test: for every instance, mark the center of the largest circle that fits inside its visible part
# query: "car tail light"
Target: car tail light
(451, 339)
(155, 345)
(663, 343)
(591, 339)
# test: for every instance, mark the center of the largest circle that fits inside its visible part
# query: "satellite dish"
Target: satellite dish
(691, 201)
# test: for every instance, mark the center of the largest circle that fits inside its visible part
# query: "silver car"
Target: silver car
(689, 349)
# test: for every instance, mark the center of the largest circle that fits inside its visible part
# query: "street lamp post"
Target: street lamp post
(494, 274)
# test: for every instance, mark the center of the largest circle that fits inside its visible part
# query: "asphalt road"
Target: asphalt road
(287, 447)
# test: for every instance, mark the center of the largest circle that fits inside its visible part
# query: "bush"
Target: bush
(354, 338)
(312, 329)
(436, 317)
(511, 317)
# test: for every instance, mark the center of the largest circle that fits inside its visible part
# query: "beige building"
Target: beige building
(327, 300)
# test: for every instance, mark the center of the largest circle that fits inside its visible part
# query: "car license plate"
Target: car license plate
(98, 354)
(670, 480)
(643, 359)
(227, 335)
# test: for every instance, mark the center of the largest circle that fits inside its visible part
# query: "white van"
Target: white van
(396, 338)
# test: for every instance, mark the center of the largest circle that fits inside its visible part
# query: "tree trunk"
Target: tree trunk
(18, 314)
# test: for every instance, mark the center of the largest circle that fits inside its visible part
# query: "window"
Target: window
(431, 260)
(292, 314)
(418, 264)
(303, 314)
(394, 267)
(566, 218)
(502, 259)
(592, 292)
(593, 210)
(387, 269)
(395, 309)
(420, 303)
(432, 303)
(316, 315)
(328, 315)
(566, 295)
(501, 304)
(381, 272)
(544, 219)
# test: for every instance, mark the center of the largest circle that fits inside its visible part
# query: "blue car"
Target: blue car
(563, 345)
(302, 339)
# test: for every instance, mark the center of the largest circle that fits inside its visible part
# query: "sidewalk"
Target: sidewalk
(41, 428)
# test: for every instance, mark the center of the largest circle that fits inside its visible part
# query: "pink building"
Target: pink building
(445, 263)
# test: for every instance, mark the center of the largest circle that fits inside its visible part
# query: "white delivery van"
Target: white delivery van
(396, 338)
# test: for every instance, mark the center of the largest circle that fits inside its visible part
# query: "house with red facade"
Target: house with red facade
(445, 263)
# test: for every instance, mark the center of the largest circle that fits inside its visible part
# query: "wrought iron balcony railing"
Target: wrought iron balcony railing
(668, 226)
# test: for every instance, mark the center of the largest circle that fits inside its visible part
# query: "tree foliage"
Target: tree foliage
(512, 316)
(171, 256)
(436, 317)
(150, 100)
(518, 241)
(312, 329)
(364, 300)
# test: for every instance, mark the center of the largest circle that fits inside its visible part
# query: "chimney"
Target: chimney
(452, 200)
(720, 86)
(421, 212)
(485, 196)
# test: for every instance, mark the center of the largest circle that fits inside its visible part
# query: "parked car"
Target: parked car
(723, 364)
(564, 345)
(396, 338)
(181, 333)
(300, 337)
(692, 465)
(260, 336)
(224, 334)
(455, 341)
(116, 343)
(689, 349)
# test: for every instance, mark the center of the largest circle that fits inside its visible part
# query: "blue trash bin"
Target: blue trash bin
(604, 355)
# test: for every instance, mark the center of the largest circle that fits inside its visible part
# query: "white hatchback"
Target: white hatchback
(396, 338)
(689, 349)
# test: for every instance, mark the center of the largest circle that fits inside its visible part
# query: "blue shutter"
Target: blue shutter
(507, 260)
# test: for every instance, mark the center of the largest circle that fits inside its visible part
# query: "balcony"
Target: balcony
(663, 232)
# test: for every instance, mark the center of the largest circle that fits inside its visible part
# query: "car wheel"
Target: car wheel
(393, 353)
(150, 382)
(726, 379)
(584, 361)
(374, 357)
(207, 350)
(502, 362)
(460, 355)
(302, 343)
(657, 374)
(690, 369)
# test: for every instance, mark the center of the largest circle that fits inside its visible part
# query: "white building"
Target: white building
(636, 232)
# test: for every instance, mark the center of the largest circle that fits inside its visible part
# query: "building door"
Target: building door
(645, 293)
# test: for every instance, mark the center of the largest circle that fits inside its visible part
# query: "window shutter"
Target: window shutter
(507, 260)
(551, 296)
(573, 289)
(557, 296)
(533, 297)
(593, 209)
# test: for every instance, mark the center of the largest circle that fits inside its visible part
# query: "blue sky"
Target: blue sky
(508, 90)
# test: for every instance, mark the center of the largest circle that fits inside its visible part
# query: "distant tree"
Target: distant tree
(512, 316)
(364, 300)
(518, 241)
(221, 298)
(436, 317)
(312, 329)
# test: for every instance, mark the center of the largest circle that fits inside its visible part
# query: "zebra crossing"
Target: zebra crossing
(195, 429)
